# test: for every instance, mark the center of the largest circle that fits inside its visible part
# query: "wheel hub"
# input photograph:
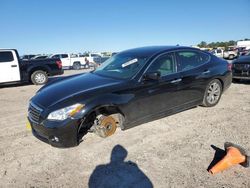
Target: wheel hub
(40, 78)
(104, 126)
(213, 93)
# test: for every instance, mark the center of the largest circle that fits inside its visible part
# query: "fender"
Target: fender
(114, 101)
(33, 68)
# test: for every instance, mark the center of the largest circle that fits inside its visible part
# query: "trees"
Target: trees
(203, 44)
(226, 44)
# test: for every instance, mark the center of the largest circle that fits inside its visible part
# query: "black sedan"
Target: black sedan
(132, 87)
(241, 68)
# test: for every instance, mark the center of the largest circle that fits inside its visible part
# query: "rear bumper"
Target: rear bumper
(227, 81)
(241, 74)
(58, 134)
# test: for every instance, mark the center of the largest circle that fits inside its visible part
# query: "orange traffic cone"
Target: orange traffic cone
(235, 155)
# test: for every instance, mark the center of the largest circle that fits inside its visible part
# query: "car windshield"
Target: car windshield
(122, 66)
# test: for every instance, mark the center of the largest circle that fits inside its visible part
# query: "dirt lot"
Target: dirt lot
(171, 152)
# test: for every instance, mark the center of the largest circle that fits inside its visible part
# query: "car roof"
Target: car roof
(152, 50)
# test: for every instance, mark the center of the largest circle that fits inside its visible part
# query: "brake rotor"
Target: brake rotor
(106, 126)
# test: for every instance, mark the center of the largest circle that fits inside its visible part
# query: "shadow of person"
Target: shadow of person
(119, 173)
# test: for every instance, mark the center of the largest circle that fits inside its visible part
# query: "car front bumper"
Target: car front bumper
(242, 77)
(61, 134)
(241, 71)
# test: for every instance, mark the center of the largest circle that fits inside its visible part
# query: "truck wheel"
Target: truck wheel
(231, 57)
(39, 77)
(212, 94)
(76, 66)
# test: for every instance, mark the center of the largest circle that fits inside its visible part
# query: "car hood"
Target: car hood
(242, 59)
(80, 86)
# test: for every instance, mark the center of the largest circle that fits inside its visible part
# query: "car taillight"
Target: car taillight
(229, 66)
(59, 64)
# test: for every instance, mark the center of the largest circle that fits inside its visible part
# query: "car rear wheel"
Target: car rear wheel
(213, 93)
(76, 66)
(39, 77)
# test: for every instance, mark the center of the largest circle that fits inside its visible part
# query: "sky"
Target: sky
(76, 26)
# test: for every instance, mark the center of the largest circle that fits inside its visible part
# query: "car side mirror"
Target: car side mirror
(152, 76)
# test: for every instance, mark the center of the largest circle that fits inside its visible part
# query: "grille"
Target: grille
(242, 66)
(34, 113)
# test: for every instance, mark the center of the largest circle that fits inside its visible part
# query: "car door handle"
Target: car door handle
(206, 72)
(176, 81)
(13, 65)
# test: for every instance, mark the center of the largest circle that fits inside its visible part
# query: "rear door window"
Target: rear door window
(190, 59)
(6, 57)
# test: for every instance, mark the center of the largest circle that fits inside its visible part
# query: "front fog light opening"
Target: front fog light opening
(54, 139)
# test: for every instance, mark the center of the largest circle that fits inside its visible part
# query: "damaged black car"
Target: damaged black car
(130, 88)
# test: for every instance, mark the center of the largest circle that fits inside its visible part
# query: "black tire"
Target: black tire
(76, 65)
(212, 94)
(231, 57)
(39, 77)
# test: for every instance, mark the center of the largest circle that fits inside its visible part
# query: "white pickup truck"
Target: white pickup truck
(70, 61)
(230, 54)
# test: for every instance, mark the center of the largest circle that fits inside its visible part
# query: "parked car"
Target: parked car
(102, 60)
(218, 52)
(241, 68)
(131, 88)
(27, 57)
(12, 69)
(70, 61)
(242, 51)
(230, 54)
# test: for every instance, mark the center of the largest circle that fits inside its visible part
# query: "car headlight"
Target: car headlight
(66, 112)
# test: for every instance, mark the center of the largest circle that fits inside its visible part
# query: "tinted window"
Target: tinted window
(164, 64)
(6, 57)
(64, 55)
(95, 55)
(219, 51)
(190, 59)
(55, 56)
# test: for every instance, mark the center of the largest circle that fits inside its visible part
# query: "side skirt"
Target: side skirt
(128, 125)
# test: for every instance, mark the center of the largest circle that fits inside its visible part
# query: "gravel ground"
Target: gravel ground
(171, 152)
